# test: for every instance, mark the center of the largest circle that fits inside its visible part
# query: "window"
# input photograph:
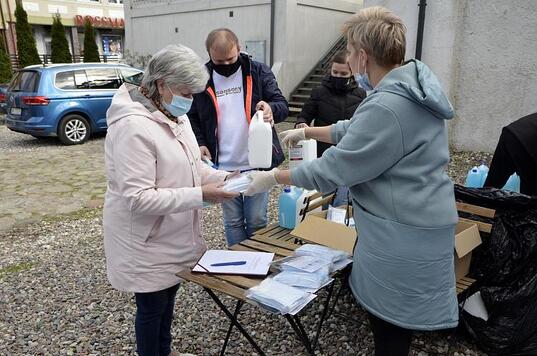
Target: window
(65, 81)
(26, 80)
(115, 1)
(72, 80)
(103, 78)
(133, 76)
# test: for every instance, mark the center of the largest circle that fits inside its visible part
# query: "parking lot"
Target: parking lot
(42, 177)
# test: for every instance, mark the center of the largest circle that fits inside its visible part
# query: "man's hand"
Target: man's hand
(213, 193)
(291, 137)
(267, 112)
(204, 151)
(262, 181)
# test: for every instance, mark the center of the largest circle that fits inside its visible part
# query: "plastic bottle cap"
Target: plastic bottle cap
(287, 189)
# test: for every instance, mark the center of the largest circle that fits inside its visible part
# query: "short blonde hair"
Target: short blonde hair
(379, 32)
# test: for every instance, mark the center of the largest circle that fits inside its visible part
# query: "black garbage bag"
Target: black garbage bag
(505, 266)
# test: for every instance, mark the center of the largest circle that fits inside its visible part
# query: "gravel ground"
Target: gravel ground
(55, 299)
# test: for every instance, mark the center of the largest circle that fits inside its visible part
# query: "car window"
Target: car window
(25, 80)
(103, 78)
(65, 80)
(131, 75)
(72, 80)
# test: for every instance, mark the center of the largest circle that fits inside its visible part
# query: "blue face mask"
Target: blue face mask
(363, 80)
(179, 105)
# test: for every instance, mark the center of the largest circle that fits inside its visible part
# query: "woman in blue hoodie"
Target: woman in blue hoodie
(393, 155)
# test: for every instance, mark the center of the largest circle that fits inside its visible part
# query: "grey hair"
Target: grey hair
(179, 66)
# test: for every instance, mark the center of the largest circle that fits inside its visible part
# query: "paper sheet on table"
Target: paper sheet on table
(257, 263)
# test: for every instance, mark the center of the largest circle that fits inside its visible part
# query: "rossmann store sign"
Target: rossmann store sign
(98, 21)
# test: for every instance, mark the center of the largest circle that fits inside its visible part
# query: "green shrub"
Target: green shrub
(91, 53)
(59, 44)
(26, 47)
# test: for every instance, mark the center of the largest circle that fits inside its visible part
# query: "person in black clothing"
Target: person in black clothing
(516, 152)
(335, 99)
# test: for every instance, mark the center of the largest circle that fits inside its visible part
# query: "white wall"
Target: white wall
(497, 79)
(484, 53)
(312, 27)
(149, 29)
(304, 29)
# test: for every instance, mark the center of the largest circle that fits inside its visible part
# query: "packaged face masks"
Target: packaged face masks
(303, 264)
(277, 296)
(312, 280)
(238, 184)
(323, 252)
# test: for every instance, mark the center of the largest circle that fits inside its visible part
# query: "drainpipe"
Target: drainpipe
(272, 29)
(421, 24)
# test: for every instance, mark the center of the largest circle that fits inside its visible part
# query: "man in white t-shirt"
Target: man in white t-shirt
(237, 88)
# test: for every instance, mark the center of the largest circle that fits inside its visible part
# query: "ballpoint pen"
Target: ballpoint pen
(223, 264)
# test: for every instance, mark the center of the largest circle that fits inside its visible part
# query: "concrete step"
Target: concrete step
(301, 96)
(296, 103)
(305, 89)
(293, 110)
(312, 82)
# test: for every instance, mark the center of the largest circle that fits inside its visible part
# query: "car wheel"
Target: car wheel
(74, 130)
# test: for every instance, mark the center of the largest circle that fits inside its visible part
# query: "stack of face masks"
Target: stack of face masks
(238, 184)
(279, 297)
(307, 281)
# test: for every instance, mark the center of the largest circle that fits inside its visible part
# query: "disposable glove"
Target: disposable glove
(291, 137)
(262, 181)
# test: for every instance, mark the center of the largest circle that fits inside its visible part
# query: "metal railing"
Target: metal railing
(46, 59)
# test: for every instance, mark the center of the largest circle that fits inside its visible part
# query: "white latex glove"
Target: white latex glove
(262, 181)
(291, 137)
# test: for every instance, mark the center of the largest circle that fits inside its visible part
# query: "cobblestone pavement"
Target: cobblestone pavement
(40, 177)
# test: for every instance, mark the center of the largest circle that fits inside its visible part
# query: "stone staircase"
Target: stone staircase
(303, 91)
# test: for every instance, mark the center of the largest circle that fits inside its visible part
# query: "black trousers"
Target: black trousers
(390, 340)
(510, 157)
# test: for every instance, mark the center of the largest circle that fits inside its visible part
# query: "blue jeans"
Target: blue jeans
(341, 197)
(243, 216)
(153, 323)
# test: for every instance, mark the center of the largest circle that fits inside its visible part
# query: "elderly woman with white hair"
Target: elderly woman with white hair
(156, 187)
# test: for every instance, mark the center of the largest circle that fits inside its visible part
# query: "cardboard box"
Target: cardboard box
(467, 238)
(315, 228)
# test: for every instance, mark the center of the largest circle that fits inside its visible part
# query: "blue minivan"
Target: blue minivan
(65, 100)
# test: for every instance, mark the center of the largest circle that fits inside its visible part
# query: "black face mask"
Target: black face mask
(227, 69)
(339, 83)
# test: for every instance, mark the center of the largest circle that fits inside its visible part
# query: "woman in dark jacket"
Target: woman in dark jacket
(335, 99)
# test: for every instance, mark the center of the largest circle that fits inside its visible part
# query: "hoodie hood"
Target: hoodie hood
(129, 101)
(416, 82)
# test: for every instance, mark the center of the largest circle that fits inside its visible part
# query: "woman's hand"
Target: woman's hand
(262, 181)
(291, 137)
(213, 193)
(301, 125)
(204, 151)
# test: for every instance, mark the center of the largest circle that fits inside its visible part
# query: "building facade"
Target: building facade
(484, 52)
(106, 16)
(291, 36)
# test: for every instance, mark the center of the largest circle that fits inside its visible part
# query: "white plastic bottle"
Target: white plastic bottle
(304, 151)
(259, 142)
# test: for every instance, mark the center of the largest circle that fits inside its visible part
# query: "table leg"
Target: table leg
(300, 332)
(323, 315)
(235, 315)
(234, 321)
